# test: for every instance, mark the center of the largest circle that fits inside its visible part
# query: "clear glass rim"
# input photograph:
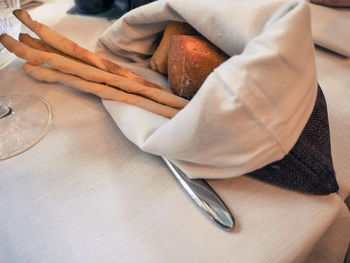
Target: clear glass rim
(39, 136)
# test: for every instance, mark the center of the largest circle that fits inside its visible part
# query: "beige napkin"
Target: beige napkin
(250, 111)
(27, 4)
(331, 28)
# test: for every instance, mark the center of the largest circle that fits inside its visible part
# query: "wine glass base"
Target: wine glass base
(27, 123)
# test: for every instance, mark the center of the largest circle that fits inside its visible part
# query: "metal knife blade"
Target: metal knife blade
(205, 197)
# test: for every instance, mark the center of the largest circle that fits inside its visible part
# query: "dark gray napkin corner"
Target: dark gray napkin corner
(117, 10)
(308, 167)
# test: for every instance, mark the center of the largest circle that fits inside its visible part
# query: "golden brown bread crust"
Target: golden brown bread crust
(103, 91)
(85, 71)
(35, 43)
(87, 77)
(41, 45)
(159, 60)
(71, 48)
(191, 59)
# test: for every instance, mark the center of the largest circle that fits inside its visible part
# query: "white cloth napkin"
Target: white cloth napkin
(27, 4)
(331, 28)
(251, 110)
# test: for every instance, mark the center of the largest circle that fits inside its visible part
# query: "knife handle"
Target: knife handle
(205, 197)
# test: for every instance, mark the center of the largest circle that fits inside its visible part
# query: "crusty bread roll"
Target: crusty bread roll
(191, 59)
(159, 60)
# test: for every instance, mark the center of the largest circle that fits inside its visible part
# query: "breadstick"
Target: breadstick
(102, 91)
(69, 47)
(36, 43)
(38, 57)
(41, 45)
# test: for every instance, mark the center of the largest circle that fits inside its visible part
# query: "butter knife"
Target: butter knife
(204, 196)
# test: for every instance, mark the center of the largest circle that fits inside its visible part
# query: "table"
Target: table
(86, 194)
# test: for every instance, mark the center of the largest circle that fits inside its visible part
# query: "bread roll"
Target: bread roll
(159, 60)
(191, 59)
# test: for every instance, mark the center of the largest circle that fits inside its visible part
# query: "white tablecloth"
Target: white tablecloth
(86, 194)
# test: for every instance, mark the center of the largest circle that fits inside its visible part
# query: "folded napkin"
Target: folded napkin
(251, 111)
(27, 4)
(330, 28)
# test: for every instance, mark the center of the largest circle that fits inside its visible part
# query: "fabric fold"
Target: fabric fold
(330, 28)
(249, 112)
(308, 167)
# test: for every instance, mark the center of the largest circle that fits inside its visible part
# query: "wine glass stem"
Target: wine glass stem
(4, 110)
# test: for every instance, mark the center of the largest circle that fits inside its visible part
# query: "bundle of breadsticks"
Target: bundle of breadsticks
(66, 62)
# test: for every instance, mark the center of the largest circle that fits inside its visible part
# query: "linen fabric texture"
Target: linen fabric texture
(250, 111)
(330, 28)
